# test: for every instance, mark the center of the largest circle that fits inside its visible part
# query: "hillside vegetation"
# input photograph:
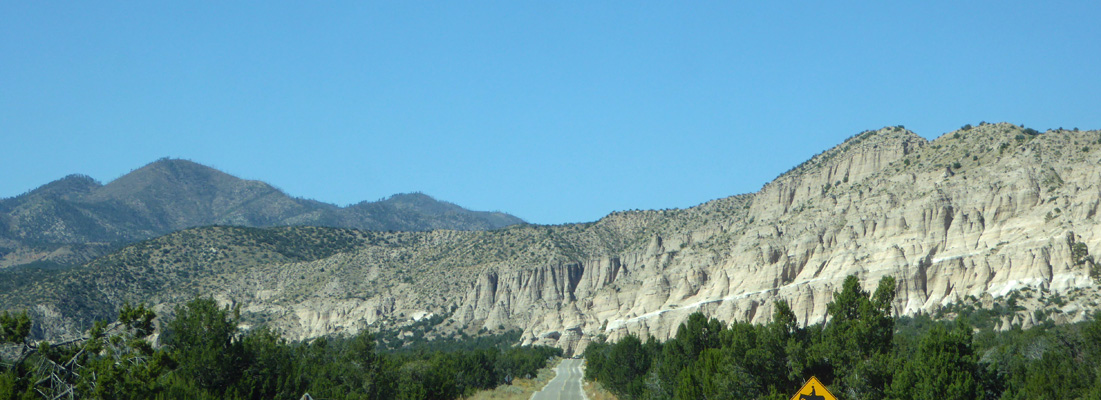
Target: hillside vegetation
(986, 215)
(861, 352)
(205, 355)
(74, 219)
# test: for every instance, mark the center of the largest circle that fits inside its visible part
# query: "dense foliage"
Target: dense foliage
(860, 352)
(206, 356)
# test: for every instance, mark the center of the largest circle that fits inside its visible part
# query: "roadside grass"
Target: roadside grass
(520, 389)
(595, 391)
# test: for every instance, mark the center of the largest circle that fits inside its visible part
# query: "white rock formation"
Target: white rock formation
(974, 214)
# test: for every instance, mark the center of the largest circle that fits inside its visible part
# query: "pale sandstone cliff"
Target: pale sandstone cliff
(975, 214)
(886, 202)
(883, 203)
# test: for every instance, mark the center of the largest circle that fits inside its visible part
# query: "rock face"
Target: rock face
(975, 214)
(982, 212)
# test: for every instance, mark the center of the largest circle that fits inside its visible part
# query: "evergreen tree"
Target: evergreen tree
(855, 346)
(203, 340)
(626, 375)
(943, 368)
(14, 328)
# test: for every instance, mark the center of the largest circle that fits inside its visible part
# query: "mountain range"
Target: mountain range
(995, 216)
(75, 219)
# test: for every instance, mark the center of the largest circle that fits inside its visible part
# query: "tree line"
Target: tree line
(206, 355)
(861, 351)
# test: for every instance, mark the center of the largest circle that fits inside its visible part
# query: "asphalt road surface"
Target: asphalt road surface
(566, 385)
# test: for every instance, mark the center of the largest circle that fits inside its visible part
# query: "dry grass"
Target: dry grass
(520, 389)
(596, 392)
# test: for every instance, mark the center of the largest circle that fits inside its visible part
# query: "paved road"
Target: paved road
(566, 385)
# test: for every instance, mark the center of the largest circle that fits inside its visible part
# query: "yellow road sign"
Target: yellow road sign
(813, 390)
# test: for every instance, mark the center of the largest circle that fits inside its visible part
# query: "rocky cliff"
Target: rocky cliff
(976, 215)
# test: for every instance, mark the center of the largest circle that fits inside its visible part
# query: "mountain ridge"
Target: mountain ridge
(172, 194)
(992, 214)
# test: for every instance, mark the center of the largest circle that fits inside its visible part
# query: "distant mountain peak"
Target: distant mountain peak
(415, 199)
(179, 165)
(419, 196)
(179, 168)
(81, 178)
(71, 186)
(433, 213)
(80, 181)
(173, 177)
(170, 194)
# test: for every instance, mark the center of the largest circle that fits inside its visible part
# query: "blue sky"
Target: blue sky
(553, 111)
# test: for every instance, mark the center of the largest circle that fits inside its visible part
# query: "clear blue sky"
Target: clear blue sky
(553, 111)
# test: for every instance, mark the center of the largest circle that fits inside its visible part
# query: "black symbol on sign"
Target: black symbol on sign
(811, 396)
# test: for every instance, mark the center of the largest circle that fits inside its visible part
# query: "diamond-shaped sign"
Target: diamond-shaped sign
(813, 390)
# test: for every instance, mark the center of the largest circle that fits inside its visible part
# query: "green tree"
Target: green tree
(944, 367)
(855, 346)
(1054, 376)
(720, 375)
(203, 340)
(413, 380)
(696, 334)
(630, 363)
(138, 319)
(130, 367)
(271, 367)
(14, 328)
(786, 344)
(670, 362)
(688, 386)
